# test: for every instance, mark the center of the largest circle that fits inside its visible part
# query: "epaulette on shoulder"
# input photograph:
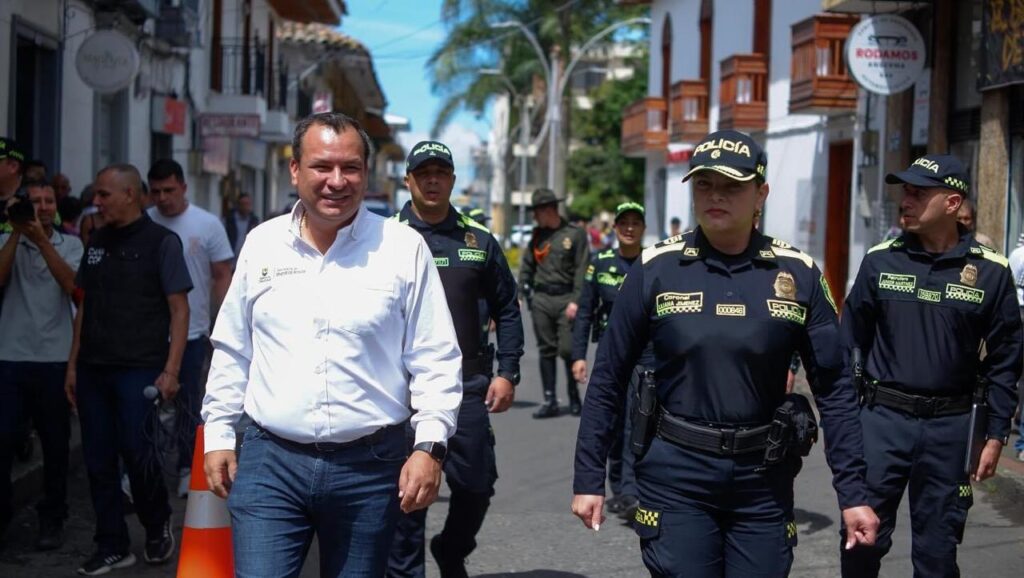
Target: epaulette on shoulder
(882, 246)
(994, 256)
(670, 245)
(607, 254)
(784, 249)
(472, 223)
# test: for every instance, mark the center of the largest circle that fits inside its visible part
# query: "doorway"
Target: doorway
(34, 116)
(837, 224)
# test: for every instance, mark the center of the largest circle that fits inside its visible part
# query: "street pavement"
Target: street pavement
(530, 532)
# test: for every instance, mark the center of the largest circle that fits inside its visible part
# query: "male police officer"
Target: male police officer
(472, 268)
(552, 270)
(922, 308)
(604, 276)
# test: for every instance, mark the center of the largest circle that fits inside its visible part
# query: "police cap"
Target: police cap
(10, 150)
(945, 171)
(731, 153)
(627, 207)
(428, 150)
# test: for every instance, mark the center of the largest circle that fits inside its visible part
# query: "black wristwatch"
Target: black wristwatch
(437, 450)
(513, 377)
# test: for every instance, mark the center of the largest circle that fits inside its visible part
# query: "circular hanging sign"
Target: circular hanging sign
(885, 54)
(107, 61)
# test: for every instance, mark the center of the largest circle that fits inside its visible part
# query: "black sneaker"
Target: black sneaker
(51, 534)
(160, 548)
(449, 566)
(101, 563)
(548, 409)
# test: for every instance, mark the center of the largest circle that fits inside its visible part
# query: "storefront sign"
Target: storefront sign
(168, 115)
(885, 54)
(1002, 44)
(107, 61)
(241, 125)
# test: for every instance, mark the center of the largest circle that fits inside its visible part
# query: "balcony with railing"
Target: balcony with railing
(688, 111)
(744, 93)
(245, 79)
(820, 81)
(644, 127)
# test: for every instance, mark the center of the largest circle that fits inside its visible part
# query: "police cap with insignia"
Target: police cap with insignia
(628, 207)
(428, 150)
(10, 150)
(542, 197)
(944, 171)
(731, 153)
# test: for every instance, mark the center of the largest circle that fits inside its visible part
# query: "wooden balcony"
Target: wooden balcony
(688, 111)
(820, 81)
(643, 127)
(744, 95)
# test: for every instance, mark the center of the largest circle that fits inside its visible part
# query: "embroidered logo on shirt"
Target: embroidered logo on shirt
(785, 286)
(969, 275)
(609, 279)
(961, 293)
(440, 261)
(286, 271)
(476, 255)
(894, 282)
(670, 303)
(929, 296)
(471, 240)
(729, 310)
(95, 255)
(566, 243)
(264, 274)
(788, 311)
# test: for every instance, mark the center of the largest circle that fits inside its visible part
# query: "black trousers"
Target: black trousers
(471, 472)
(924, 455)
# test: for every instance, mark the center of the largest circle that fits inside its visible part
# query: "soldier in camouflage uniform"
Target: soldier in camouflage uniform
(551, 275)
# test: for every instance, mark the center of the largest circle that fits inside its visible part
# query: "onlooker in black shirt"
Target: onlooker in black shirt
(134, 282)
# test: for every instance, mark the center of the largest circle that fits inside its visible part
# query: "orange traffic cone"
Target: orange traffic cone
(206, 541)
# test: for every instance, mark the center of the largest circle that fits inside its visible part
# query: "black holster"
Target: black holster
(793, 432)
(645, 415)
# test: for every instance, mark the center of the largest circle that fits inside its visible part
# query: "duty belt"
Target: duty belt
(916, 405)
(553, 288)
(721, 441)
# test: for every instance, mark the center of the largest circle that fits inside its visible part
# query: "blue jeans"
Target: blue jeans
(38, 390)
(190, 398)
(114, 414)
(285, 492)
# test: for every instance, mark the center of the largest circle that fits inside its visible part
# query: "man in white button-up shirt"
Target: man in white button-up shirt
(334, 332)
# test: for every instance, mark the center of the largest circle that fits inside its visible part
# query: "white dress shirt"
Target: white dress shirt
(330, 348)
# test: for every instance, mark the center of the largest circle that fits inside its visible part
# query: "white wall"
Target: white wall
(77, 105)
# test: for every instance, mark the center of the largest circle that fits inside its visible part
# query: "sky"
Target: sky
(401, 35)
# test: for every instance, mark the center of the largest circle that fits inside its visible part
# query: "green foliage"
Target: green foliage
(600, 177)
(472, 45)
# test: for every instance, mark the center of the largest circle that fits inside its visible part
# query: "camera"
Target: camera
(20, 211)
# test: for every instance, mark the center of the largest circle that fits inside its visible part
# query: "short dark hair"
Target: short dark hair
(165, 169)
(337, 122)
(35, 184)
(33, 163)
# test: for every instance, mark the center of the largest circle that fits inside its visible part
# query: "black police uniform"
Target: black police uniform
(472, 268)
(604, 276)
(920, 320)
(723, 330)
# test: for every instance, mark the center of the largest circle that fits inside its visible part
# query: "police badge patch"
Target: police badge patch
(566, 243)
(969, 275)
(471, 240)
(785, 286)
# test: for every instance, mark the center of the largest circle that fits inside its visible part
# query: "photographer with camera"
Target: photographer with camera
(37, 271)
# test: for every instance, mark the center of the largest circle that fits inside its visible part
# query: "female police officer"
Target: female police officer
(724, 308)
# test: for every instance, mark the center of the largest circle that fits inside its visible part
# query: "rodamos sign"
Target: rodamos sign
(885, 54)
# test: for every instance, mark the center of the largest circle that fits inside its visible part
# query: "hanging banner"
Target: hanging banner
(885, 54)
(1002, 50)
